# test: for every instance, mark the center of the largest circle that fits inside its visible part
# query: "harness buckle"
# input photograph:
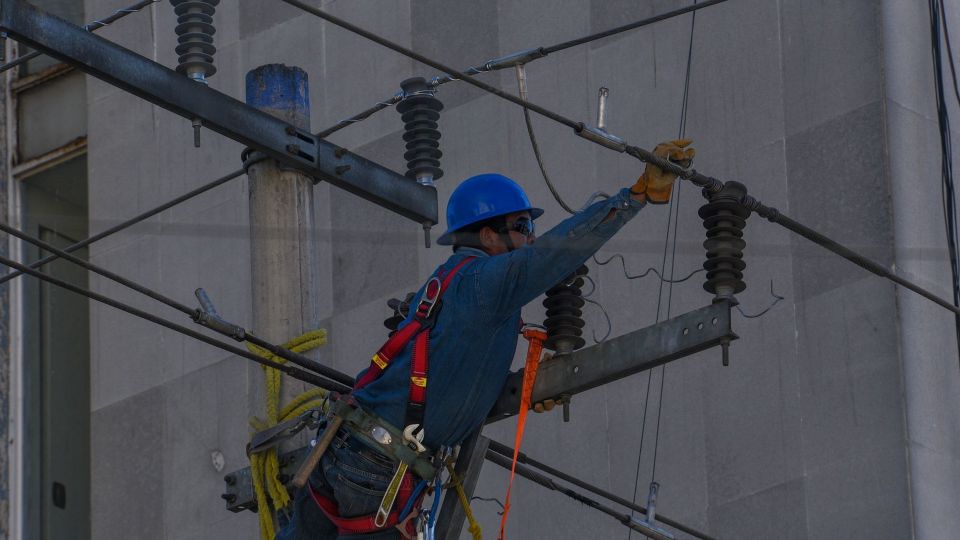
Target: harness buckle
(428, 301)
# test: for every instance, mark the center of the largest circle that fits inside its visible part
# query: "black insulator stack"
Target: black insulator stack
(420, 110)
(401, 308)
(725, 217)
(195, 37)
(564, 322)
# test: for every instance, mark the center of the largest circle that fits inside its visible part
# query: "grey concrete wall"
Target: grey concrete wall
(836, 417)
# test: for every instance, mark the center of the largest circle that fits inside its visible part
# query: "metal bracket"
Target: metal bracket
(617, 358)
(219, 112)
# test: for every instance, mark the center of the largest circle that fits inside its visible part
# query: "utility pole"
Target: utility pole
(283, 251)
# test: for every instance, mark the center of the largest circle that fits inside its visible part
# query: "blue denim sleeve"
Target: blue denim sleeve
(506, 283)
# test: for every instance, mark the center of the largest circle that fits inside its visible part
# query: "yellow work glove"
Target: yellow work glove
(656, 183)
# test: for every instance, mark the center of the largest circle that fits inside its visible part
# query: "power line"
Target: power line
(92, 26)
(296, 373)
(607, 33)
(519, 59)
(946, 155)
(129, 222)
(698, 179)
(505, 450)
(194, 313)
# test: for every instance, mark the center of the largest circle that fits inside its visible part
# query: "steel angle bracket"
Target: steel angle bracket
(219, 112)
(620, 357)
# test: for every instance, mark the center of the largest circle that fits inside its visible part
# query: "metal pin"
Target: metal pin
(197, 124)
(602, 108)
(725, 349)
(565, 399)
(426, 235)
(3, 46)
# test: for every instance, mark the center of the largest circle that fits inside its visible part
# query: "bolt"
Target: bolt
(229, 497)
(290, 130)
(293, 148)
(230, 479)
(342, 169)
(339, 152)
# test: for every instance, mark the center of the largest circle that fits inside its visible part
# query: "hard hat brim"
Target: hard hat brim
(446, 239)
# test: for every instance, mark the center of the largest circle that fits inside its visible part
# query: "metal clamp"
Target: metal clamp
(206, 315)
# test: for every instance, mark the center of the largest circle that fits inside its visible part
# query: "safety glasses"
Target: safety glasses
(523, 225)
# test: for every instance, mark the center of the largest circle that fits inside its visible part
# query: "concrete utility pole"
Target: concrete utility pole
(283, 254)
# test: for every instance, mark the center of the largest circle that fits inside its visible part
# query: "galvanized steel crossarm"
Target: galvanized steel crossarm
(296, 373)
(193, 313)
(620, 357)
(221, 113)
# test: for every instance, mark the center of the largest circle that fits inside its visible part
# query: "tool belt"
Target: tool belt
(376, 433)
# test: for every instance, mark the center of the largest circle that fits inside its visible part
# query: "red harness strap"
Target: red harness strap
(418, 330)
(365, 524)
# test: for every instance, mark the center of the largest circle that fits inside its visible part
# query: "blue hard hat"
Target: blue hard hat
(482, 197)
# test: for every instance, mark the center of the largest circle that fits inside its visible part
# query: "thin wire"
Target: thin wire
(89, 27)
(623, 264)
(522, 84)
(946, 39)
(489, 499)
(605, 316)
(776, 300)
(676, 221)
(673, 210)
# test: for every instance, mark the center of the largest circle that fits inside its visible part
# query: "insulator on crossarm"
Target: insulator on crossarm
(420, 111)
(564, 322)
(195, 37)
(724, 218)
(195, 48)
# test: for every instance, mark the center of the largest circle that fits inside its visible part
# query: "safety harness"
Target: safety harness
(397, 444)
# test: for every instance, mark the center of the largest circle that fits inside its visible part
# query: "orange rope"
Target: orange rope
(536, 337)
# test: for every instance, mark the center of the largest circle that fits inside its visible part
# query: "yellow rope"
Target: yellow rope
(265, 466)
(474, 529)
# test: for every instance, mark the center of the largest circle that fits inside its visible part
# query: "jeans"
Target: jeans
(353, 475)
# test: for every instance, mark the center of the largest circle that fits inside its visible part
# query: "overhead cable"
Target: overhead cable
(948, 190)
(545, 481)
(92, 26)
(195, 314)
(294, 372)
(519, 59)
(698, 179)
(524, 459)
(129, 222)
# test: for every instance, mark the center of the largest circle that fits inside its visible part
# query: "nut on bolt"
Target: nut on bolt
(293, 148)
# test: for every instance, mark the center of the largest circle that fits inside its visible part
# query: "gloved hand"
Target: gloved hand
(656, 183)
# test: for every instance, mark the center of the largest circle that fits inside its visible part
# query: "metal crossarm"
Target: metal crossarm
(611, 360)
(219, 112)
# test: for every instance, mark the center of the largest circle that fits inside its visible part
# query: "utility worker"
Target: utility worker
(496, 268)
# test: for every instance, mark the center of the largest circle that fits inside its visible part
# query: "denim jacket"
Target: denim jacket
(473, 342)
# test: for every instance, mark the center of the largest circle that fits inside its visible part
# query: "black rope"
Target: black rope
(287, 354)
(296, 373)
(89, 27)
